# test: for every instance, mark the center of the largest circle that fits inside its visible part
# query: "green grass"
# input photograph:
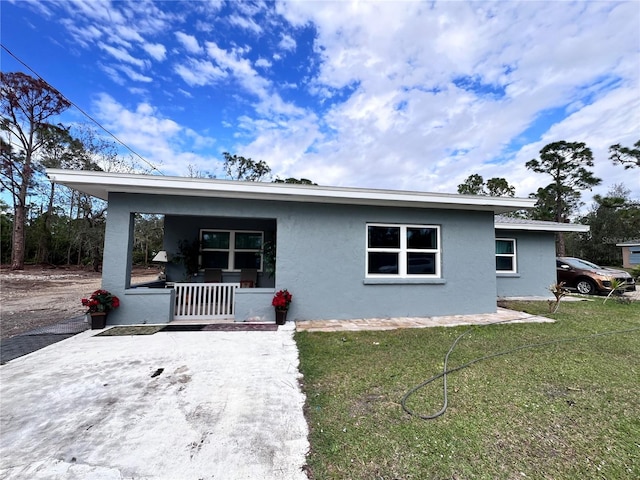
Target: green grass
(561, 411)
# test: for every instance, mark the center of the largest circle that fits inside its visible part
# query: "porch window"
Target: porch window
(231, 249)
(506, 255)
(403, 250)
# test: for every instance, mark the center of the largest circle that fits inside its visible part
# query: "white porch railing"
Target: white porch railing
(204, 301)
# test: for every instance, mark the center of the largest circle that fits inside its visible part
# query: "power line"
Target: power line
(153, 167)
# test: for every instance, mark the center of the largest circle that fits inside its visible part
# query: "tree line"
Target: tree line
(47, 223)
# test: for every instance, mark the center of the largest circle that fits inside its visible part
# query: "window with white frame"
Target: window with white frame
(403, 250)
(506, 255)
(231, 249)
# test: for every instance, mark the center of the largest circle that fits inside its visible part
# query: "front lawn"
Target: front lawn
(559, 411)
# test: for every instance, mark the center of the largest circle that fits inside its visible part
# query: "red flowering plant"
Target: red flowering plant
(101, 301)
(282, 299)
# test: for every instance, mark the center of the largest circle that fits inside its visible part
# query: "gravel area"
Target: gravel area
(39, 297)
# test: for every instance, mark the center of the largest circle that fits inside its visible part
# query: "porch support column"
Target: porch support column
(118, 244)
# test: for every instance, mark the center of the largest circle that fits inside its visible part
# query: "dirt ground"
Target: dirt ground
(40, 296)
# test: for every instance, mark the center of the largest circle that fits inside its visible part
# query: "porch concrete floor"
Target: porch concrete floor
(226, 405)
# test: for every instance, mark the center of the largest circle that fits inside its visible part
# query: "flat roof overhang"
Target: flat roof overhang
(101, 184)
(535, 226)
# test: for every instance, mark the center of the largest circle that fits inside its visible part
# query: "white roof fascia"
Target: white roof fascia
(543, 227)
(100, 184)
(632, 243)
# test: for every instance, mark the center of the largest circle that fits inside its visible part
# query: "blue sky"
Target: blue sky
(400, 95)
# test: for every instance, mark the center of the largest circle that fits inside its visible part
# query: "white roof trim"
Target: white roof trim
(100, 184)
(631, 243)
(542, 226)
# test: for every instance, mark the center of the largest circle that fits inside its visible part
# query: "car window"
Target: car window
(579, 263)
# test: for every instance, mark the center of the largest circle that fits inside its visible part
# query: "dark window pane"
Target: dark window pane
(504, 246)
(215, 240)
(383, 263)
(245, 241)
(215, 260)
(247, 260)
(421, 263)
(504, 263)
(422, 238)
(384, 237)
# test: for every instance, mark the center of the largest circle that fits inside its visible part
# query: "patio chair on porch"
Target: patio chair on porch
(212, 275)
(248, 277)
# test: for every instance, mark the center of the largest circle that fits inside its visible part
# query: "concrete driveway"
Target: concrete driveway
(226, 405)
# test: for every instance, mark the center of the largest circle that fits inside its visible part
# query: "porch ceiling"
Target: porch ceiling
(100, 184)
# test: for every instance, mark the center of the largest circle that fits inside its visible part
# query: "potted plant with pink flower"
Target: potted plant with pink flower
(281, 301)
(99, 304)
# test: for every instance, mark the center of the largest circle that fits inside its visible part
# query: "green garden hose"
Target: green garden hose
(446, 371)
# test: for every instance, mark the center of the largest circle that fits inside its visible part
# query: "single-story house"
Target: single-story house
(630, 253)
(343, 253)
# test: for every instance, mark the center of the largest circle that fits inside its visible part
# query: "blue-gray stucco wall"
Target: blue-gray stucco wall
(321, 252)
(321, 259)
(536, 264)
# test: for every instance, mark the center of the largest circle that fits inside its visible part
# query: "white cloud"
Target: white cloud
(95, 10)
(189, 42)
(139, 92)
(148, 17)
(113, 74)
(283, 148)
(263, 63)
(84, 36)
(202, 26)
(287, 42)
(42, 8)
(159, 140)
(122, 55)
(245, 23)
(239, 67)
(127, 33)
(405, 119)
(199, 72)
(116, 27)
(133, 75)
(156, 50)
(251, 9)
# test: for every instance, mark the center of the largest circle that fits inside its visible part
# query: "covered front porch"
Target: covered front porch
(217, 269)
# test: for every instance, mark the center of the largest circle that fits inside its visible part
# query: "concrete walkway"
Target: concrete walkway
(175, 405)
(502, 315)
